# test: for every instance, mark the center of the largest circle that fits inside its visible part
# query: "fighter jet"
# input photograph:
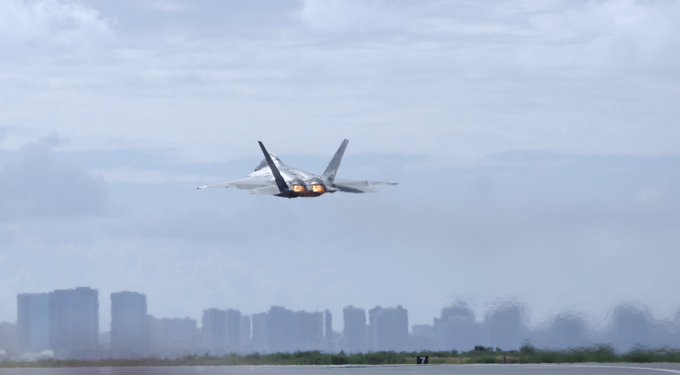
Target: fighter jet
(273, 177)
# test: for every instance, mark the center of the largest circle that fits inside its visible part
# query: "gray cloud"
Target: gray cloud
(420, 77)
(222, 20)
(61, 27)
(36, 184)
(533, 141)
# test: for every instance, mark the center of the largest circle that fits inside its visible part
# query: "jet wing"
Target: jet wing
(363, 186)
(265, 190)
(248, 183)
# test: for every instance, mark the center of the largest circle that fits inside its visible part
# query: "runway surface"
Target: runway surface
(547, 369)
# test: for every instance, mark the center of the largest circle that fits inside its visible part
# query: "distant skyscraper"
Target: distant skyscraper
(354, 331)
(246, 341)
(423, 338)
(9, 338)
(457, 329)
(567, 330)
(33, 321)
(233, 331)
(129, 333)
(214, 325)
(259, 335)
(309, 331)
(505, 326)
(328, 334)
(631, 325)
(222, 331)
(281, 335)
(388, 329)
(74, 323)
(173, 337)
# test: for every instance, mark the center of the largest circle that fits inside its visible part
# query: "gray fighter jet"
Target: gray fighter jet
(272, 177)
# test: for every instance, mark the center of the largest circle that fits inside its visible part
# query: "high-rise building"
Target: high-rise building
(630, 325)
(129, 333)
(388, 329)
(173, 337)
(259, 335)
(233, 331)
(567, 330)
(328, 334)
(505, 326)
(422, 338)
(74, 323)
(457, 329)
(281, 333)
(354, 335)
(214, 325)
(9, 339)
(222, 331)
(33, 321)
(246, 340)
(309, 331)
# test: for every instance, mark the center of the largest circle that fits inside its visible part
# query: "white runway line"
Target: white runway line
(666, 370)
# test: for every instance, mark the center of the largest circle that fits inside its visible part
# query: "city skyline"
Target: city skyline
(66, 321)
(535, 144)
(478, 311)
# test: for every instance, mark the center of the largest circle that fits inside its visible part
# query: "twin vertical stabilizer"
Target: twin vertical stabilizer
(297, 183)
(334, 164)
(280, 182)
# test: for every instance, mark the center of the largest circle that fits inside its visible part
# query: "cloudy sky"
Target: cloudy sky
(535, 142)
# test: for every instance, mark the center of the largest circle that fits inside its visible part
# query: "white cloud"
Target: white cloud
(167, 6)
(350, 17)
(448, 81)
(401, 75)
(51, 22)
(605, 35)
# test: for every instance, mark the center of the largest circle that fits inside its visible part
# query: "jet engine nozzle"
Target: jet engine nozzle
(317, 186)
(299, 187)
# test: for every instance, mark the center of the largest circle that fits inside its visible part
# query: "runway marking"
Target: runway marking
(666, 370)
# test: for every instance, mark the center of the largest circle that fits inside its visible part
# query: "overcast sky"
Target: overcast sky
(535, 142)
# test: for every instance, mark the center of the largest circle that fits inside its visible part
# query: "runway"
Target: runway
(514, 369)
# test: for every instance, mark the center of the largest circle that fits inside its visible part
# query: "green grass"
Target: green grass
(527, 354)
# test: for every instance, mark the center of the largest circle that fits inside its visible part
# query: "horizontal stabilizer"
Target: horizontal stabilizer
(363, 186)
(262, 164)
(348, 189)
